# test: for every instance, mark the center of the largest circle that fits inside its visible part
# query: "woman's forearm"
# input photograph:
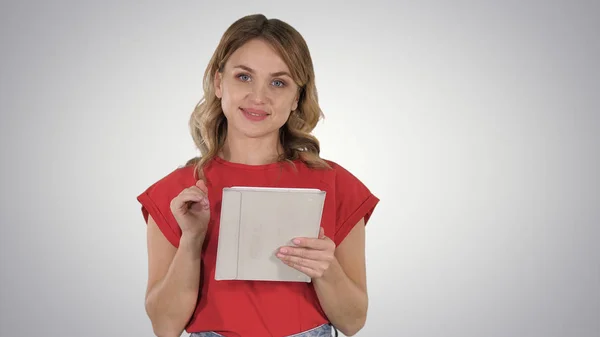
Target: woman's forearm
(171, 302)
(344, 303)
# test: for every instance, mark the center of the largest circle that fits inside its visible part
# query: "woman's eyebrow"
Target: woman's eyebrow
(250, 70)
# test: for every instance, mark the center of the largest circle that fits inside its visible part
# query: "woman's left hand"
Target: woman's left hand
(310, 256)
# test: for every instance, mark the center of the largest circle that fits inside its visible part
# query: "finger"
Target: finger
(312, 243)
(189, 198)
(192, 195)
(306, 270)
(305, 253)
(196, 189)
(309, 267)
(202, 186)
(321, 233)
(185, 198)
(199, 206)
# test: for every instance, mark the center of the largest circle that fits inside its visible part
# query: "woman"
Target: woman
(253, 128)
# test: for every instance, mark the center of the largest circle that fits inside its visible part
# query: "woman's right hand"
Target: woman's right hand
(191, 209)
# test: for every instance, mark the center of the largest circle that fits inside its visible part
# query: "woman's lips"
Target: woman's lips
(254, 114)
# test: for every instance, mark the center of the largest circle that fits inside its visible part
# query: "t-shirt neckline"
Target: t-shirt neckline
(222, 161)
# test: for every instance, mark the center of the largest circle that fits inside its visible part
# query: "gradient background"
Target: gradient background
(476, 123)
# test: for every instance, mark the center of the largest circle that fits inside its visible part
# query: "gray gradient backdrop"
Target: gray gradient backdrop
(477, 124)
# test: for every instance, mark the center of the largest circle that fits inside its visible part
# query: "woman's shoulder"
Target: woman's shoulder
(352, 198)
(175, 180)
(191, 162)
(156, 199)
(335, 171)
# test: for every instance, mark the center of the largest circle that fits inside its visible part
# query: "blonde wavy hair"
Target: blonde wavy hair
(208, 124)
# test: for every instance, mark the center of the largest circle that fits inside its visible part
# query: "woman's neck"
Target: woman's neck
(251, 151)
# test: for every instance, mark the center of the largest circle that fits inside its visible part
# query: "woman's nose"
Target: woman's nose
(259, 93)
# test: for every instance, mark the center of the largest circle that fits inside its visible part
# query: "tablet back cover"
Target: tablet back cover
(256, 222)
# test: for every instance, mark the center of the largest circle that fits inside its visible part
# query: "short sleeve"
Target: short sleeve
(354, 201)
(156, 202)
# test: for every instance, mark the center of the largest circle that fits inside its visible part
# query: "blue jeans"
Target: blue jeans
(320, 331)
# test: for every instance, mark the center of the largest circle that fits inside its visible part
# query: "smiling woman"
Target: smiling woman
(262, 70)
(253, 128)
(256, 82)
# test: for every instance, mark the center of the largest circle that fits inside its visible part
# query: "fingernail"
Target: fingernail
(296, 241)
(283, 250)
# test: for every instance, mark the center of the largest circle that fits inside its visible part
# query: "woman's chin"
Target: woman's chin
(252, 131)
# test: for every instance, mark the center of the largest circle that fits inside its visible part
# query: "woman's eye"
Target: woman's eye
(278, 83)
(244, 77)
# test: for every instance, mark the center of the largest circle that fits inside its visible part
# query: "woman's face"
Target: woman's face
(256, 90)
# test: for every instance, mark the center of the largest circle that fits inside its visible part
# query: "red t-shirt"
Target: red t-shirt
(258, 308)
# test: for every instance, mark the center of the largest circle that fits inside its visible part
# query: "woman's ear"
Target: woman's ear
(217, 84)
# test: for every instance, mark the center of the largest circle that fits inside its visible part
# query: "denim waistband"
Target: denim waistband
(320, 331)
